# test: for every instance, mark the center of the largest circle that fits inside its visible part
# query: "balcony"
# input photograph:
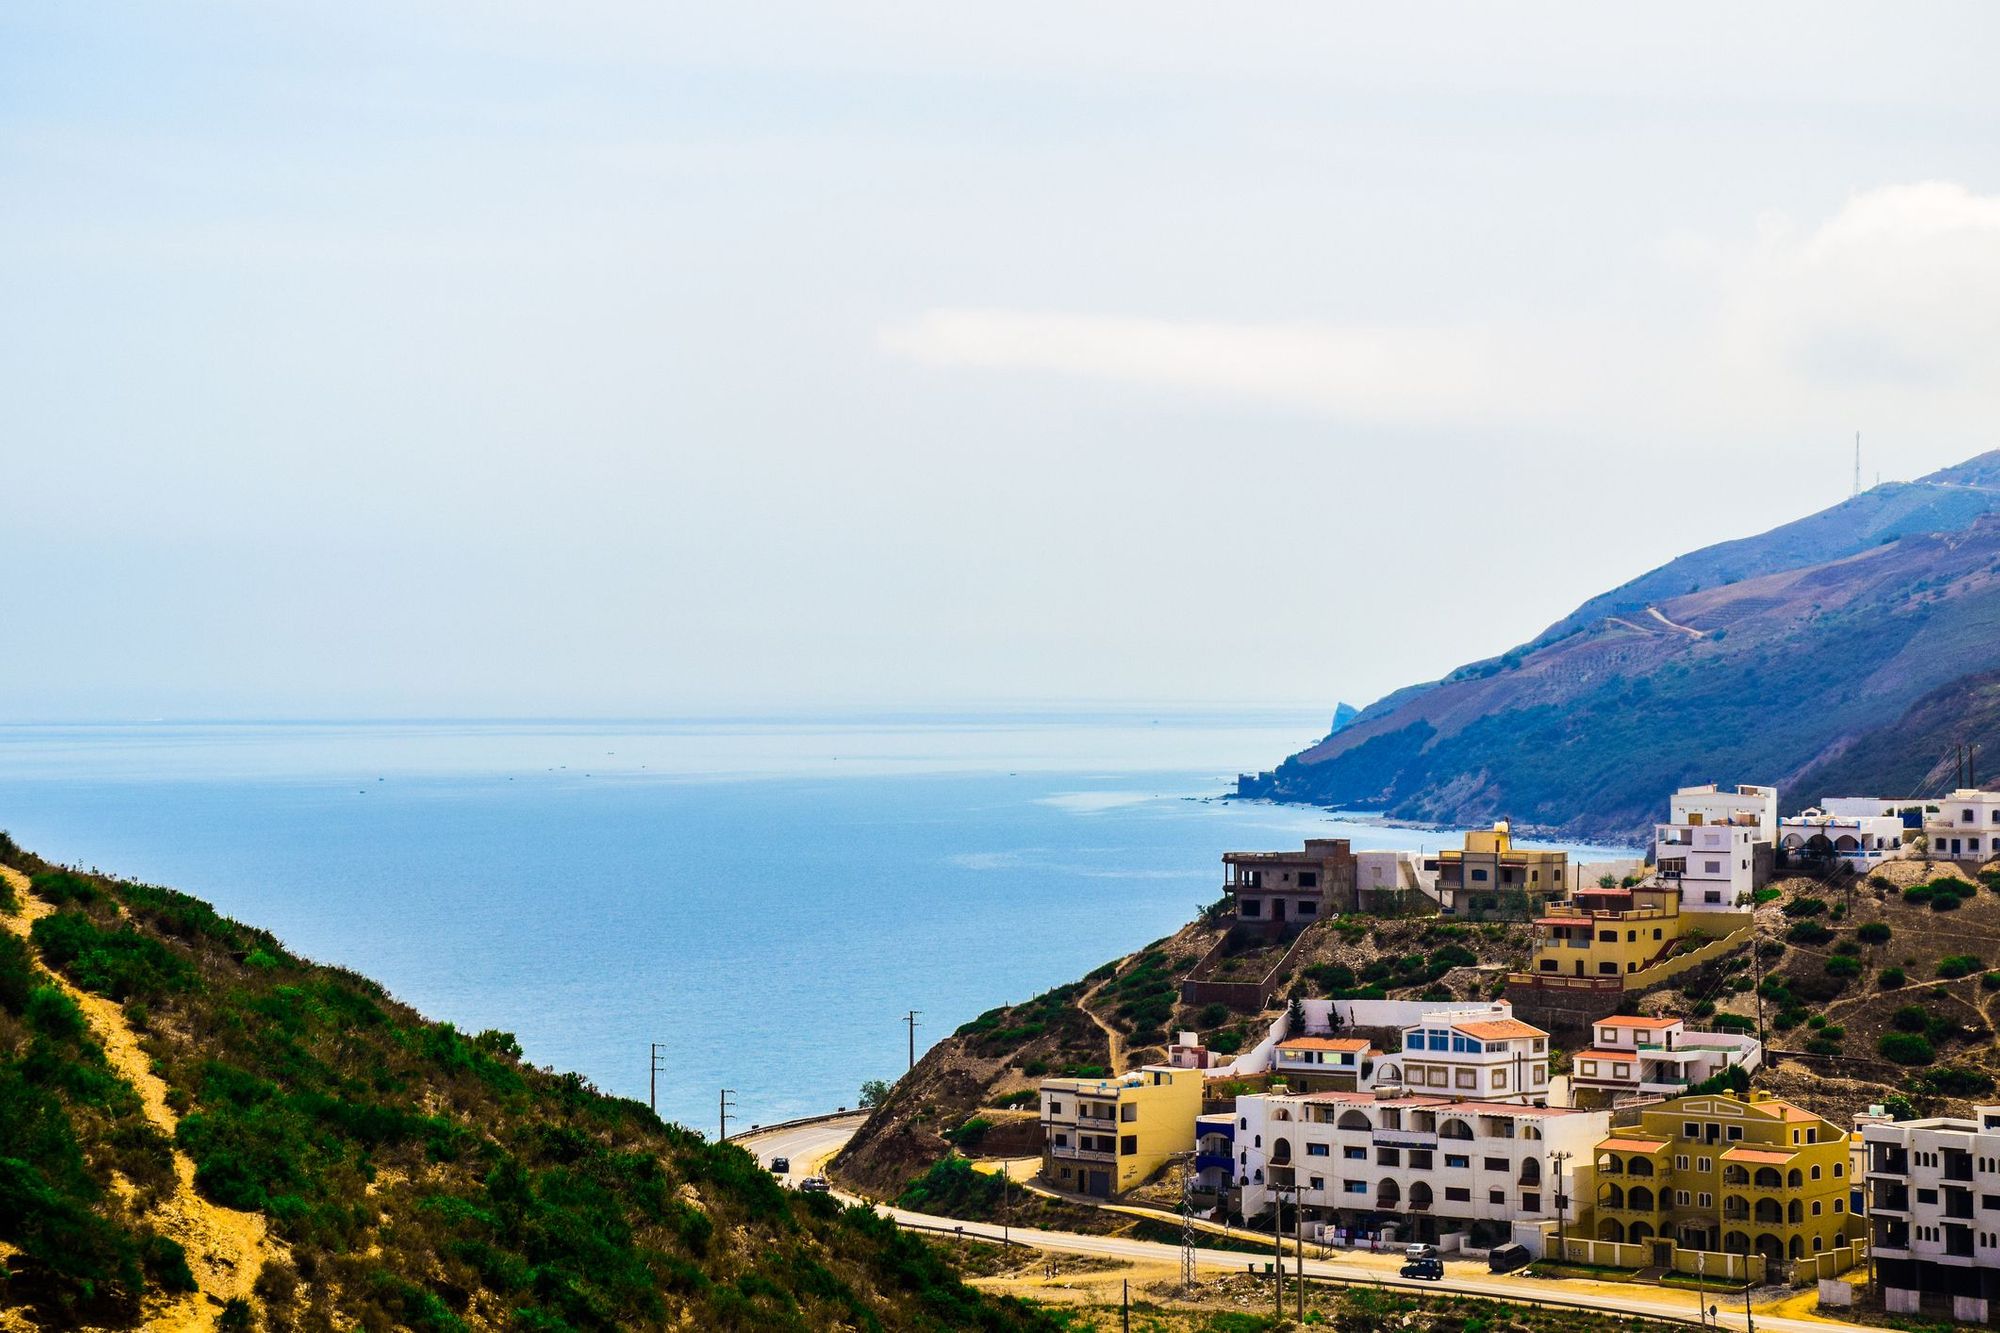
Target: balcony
(1083, 1154)
(1214, 1161)
(1890, 1199)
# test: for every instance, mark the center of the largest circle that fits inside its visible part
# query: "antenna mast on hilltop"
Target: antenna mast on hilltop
(1857, 462)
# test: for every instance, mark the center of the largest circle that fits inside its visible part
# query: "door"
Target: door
(1663, 1253)
(1100, 1185)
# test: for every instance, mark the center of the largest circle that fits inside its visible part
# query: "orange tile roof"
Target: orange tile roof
(1628, 1021)
(1324, 1044)
(1627, 1056)
(1562, 921)
(1763, 1157)
(1633, 1145)
(1498, 1028)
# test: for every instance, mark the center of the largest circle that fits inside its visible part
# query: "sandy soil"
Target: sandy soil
(225, 1248)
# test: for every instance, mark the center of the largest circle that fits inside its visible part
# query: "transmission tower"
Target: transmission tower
(1187, 1224)
(1857, 462)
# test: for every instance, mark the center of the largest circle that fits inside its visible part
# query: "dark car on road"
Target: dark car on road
(781, 1166)
(1430, 1269)
(815, 1185)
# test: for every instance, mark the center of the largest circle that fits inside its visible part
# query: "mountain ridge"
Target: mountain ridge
(1761, 659)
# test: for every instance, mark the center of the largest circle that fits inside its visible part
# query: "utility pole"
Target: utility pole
(1278, 1253)
(911, 1019)
(1299, 1244)
(723, 1106)
(1556, 1160)
(653, 1080)
(1701, 1286)
(1187, 1225)
(1757, 973)
(1857, 462)
(1749, 1320)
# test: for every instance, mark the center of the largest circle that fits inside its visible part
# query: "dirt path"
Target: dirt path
(225, 1248)
(1655, 613)
(1112, 1038)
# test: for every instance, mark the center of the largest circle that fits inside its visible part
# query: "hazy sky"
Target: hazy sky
(495, 357)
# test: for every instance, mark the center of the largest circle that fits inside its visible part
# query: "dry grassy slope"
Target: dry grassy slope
(1005, 1052)
(225, 1248)
(1862, 1007)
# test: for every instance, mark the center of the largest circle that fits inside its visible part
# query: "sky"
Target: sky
(483, 357)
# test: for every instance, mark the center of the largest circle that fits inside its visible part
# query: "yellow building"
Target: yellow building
(1103, 1136)
(1723, 1174)
(1490, 878)
(1607, 932)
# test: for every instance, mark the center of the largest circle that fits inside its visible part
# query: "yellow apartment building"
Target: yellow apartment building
(1102, 1136)
(1607, 932)
(1724, 1174)
(1490, 878)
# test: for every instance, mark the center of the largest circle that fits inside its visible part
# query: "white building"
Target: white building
(1965, 826)
(1385, 879)
(1632, 1057)
(1326, 1064)
(1470, 1053)
(1709, 844)
(1860, 842)
(1411, 1166)
(1934, 1204)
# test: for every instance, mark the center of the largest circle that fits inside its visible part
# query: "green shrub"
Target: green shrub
(1905, 1048)
(1889, 978)
(119, 962)
(1847, 947)
(1789, 1018)
(1841, 965)
(1873, 932)
(1953, 966)
(1212, 1015)
(1953, 1081)
(1808, 932)
(1945, 902)
(1804, 907)
(1765, 895)
(970, 1134)
(1990, 981)
(1735, 1023)
(63, 887)
(1822, 1045)
(18, 974)
(1910, 1018)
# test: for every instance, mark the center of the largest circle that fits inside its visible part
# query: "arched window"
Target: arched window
(1353, 1120)
(1454, 1129)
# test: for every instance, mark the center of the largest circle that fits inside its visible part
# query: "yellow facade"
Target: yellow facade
(1724, 1174)
(1492, 878)
(1608, 932)
(1104, 1136)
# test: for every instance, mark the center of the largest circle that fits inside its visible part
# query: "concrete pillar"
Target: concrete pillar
(1969, 1309)
(1900, 1300)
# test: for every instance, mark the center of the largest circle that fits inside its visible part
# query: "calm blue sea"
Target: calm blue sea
(766, 897)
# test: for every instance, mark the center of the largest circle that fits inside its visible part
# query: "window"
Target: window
(1129, 1112)
(1704, 1200)
(1681, 1162)
(1680, 1198)
(1353, 1187)
(1926, 1196)
(1128, 1145)
(1705, 1164)
(1249, 907)
(1468, 1078)
(1690, 1130)
(1055, 1108)
(1815, 1173)
(1495, 1164)
(1531, 1202)
(1457, 1161)
(1713, 867)
(1736, 1136)
(1307, 907)
(1499, 1078)
(1354, 1154)
(1062, 1140)
(1319, 1182)
(1309, 879)
(1496, 1196)
(1815, 1207)
(1318, 1150)
(1479, 875)
(1457, 1194)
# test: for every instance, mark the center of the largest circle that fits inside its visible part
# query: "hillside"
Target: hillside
(199, 1130)
(1762, 660)
(1122, 1014)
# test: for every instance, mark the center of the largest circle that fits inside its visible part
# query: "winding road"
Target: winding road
(810, 1146)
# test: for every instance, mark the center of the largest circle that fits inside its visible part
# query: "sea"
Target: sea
(766, 898)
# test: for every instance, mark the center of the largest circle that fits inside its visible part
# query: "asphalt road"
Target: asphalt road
(809, 1146)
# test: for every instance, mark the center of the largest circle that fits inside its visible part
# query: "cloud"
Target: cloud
(1898, 291)
(1386, 374)
(1899, 288)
